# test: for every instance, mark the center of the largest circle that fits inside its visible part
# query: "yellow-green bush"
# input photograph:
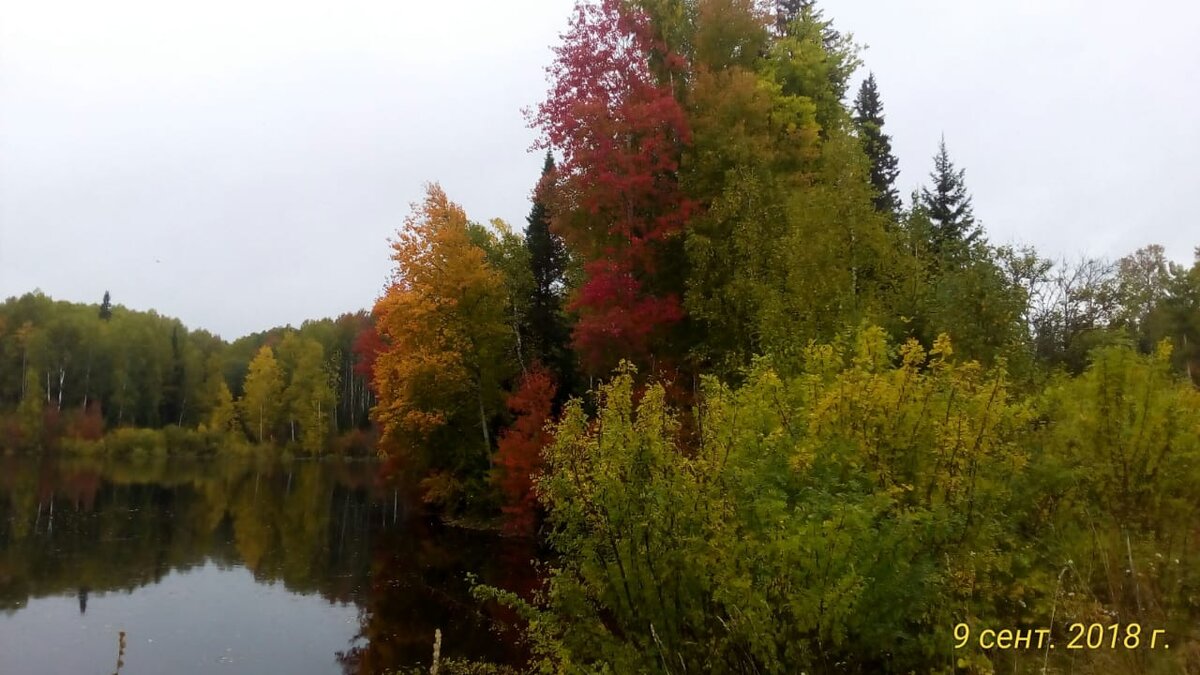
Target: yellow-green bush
(845, 519)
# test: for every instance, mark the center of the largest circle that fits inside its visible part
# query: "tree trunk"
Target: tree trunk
(87, 384)
(349, 400)
(853, 269)
(520, 348)
(1187, 360)
(487, 439)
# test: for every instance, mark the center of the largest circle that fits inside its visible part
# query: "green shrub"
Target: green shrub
(846, 519)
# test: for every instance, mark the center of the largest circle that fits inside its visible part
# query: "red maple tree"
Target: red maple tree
(367, 345)
(518, 453)
(621, 131)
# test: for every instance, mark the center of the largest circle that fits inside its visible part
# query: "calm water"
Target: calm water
(235, 566)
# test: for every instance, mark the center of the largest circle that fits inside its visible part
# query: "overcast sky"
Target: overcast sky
(241, 164)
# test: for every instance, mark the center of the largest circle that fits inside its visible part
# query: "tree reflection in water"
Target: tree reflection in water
(83, 528)
(418, 584)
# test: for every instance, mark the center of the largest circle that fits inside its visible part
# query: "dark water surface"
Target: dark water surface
(235, 566)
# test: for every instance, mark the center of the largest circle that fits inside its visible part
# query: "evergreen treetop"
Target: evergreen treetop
(549, 332)
(868, 117)
(948, 204)
(106, 307)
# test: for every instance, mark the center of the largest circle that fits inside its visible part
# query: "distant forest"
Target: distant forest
(74, 370)
(769, 415)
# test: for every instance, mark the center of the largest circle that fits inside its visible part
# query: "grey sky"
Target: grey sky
(240, 164)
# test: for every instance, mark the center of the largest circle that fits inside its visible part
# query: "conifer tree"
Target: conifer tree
(868, 117)
(949, 206)
(547, 327)
(787, 10)
(106, 307)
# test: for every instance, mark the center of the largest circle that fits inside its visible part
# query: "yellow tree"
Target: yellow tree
(223, 416)
(309, 394)
(447, 340)
(218, 400)
(261, 401)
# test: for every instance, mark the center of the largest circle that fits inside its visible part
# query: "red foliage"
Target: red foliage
(519, 449)
(53, 425)
(617, 319)
(87, 424)
(621, 132)
(355, 443)
(81, 488)
(367, 345)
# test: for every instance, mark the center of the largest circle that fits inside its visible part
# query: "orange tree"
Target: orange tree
(446, 348)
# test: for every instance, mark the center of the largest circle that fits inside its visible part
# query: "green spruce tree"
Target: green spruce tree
(547, 326)
(948, 206)
(868, 117)
(106, 307)
(787, 10)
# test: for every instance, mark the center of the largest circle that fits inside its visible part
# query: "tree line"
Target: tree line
(75, 370)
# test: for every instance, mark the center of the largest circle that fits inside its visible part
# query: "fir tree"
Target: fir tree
(787, 10)
(106, 307)
(548, 261)
(949, 206)
(868, 117)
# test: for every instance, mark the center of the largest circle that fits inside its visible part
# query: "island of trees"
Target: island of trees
(769, 416)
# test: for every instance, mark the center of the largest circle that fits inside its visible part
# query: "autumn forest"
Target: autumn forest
(762, 412)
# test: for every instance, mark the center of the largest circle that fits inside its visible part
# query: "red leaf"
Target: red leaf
(518, 454)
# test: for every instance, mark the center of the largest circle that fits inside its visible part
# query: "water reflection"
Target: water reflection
(327, 550)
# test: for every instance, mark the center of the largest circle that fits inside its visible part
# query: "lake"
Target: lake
(237, 566)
